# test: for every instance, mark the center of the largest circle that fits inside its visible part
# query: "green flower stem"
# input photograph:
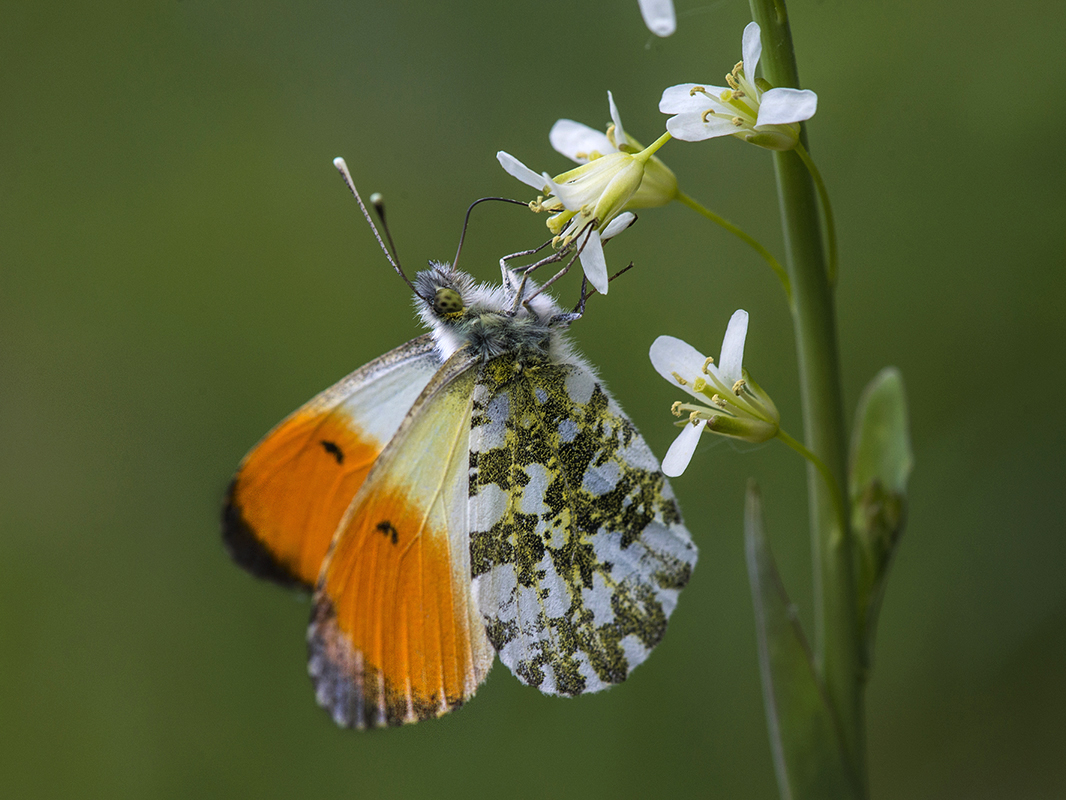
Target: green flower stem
(827, 476)
(648, 151)
(827, 210)
(775, 265)
(837, 636)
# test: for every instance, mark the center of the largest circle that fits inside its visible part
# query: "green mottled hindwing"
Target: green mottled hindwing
(578, 551)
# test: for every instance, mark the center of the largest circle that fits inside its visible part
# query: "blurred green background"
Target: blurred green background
(180, 266)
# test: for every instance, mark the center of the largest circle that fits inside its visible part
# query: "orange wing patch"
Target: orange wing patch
(291, 491)
(391, 626)
(395, 635)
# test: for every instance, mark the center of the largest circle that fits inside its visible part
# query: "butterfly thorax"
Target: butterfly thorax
(486, 319)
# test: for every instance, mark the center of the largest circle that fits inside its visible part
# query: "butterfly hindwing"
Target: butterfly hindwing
(395, 636)
(578, 551)
(292, 489)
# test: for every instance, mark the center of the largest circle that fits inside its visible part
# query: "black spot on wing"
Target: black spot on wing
(390, 532)
(248, 551)
(333, 450)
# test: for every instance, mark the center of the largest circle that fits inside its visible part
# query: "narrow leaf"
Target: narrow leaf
(805, 738)
(881, 462)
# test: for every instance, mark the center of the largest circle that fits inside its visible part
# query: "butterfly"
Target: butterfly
(472, 493)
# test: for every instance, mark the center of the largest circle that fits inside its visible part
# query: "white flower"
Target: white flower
(741, 409)
(747, 109)
(583, 202)
(582, 144)
(659, 16)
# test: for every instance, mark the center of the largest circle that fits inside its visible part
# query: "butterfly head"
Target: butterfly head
(489, 320)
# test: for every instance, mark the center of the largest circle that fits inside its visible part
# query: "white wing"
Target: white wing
(578, 550)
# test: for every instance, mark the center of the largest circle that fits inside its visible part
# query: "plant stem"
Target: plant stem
(827, 210)
(836, 635)
(775, 265)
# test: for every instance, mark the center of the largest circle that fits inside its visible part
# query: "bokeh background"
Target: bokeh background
(180, 266)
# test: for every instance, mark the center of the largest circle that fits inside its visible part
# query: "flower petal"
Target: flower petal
(519, 170)
(659, 16)
(617, 225)
(619, 133)
(592, 261)
(690, 127)
(751, 47)
(783, 105)
(730, 365)
(571, 195)
(577, 141)
(680, 452)
(669, 354)
(679, 99)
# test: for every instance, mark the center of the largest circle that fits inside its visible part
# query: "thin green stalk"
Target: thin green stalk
(827, 476)
(837, 636)
(827, 209)
(775, 265)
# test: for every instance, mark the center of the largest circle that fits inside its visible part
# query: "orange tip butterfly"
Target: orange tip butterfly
(472, 493)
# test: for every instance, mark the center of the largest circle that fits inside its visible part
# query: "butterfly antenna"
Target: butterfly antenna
(342, 168)
(579, 309)
(377, 200)
(466, 222)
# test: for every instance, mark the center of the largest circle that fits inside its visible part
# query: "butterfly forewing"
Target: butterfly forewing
(578, 552)
(395, 636)
(292, 489)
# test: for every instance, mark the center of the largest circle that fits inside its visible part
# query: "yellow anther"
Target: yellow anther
(695, 90)
(738, 387)
(719, 401)
(610, 135)
(675, 409)
(738, 122)
(707, 362)
(694, 417)
(708, 113)
(679, 379)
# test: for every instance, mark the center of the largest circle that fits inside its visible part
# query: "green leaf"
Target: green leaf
(881, 462)
(805, 737)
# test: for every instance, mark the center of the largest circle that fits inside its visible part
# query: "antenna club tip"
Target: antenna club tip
(338, 162)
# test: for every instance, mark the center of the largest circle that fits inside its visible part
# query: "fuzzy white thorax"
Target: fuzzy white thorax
(487, 320)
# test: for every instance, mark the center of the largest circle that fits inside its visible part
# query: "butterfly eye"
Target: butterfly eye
(447, 301)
